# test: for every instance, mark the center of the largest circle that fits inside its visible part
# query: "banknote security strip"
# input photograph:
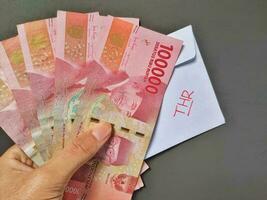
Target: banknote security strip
(123, 129)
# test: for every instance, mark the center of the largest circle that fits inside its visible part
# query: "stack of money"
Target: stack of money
(60, 75)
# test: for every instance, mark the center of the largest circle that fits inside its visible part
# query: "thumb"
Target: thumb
(64, 164)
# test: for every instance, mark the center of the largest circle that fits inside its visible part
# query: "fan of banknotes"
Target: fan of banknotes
(60, 75)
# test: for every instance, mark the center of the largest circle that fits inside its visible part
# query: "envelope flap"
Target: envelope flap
(189, 50)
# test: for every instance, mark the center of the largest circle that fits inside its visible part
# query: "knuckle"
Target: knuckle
(84, 147)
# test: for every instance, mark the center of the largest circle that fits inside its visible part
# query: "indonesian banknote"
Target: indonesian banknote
(140, 184)
(37, 40)
(76, 43)
(11, 120)
(76, 35)
(75, 40)
(125, 87)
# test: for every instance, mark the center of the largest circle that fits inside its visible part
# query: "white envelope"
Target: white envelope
(190, 106)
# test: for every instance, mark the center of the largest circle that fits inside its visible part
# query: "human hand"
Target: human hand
(20, 179)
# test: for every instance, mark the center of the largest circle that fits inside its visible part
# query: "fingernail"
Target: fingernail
(101, 131)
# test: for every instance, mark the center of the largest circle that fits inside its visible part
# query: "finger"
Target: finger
(16, 153)
(29, 162)
(83, 148)
(35, 166)
(18, 166)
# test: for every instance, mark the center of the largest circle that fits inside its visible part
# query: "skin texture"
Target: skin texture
(22, 180)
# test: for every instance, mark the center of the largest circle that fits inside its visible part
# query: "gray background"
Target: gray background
(228, 162)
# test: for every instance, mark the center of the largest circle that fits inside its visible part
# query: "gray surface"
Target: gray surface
(228, 162)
